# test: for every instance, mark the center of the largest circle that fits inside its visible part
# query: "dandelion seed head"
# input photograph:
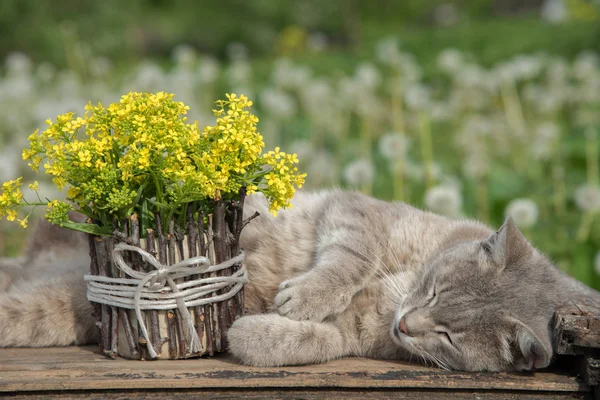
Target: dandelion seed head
(184, 55)
(587, 198)
(597, 263)
(386, 51)
(393, 146)
(445, 200)
(523, 211)
(208, 70)
(450, 60)
(554, 11)
(278, 103)
(416, 96)
(368, 76)
(18, 63)
(359, 173)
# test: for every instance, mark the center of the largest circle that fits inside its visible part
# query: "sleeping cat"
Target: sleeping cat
(341, 274)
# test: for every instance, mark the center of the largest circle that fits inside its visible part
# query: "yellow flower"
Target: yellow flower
(23, 222)
(11, 214)
(34, 186)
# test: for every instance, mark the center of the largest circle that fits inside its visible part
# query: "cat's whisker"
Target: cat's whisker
(400, 291)
(385, 278)
(436, 360)
(392, 274)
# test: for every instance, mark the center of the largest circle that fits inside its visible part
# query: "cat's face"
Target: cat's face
(481, 305)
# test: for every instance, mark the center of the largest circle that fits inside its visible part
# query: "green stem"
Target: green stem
(585, 226)
(426, 147)
(482, 199)
(398, 180)
(515, 118)
(591, 152)
(397, 108)
(365, 136)
(559, 196)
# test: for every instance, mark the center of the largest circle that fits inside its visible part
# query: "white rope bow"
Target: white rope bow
(152, 293)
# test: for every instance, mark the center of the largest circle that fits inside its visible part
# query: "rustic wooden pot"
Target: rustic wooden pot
(216, 237)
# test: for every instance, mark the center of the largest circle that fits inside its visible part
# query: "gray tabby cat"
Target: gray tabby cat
(342, 274)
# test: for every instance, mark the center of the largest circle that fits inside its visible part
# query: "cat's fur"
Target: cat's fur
(342, 274)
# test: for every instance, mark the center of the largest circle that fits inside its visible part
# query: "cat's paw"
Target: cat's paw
(310, 299)
(270, 340)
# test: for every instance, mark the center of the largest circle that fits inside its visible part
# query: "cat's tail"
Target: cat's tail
(53, 312)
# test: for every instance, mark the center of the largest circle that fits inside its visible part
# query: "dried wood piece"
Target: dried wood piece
(180, 337)
(106, 312)
(172, 327)
(193, 250)
(210, 313)
(220, 244)
(591, 371)
(577, 328)
(124, 319)
(201, 234)
(157, 341)
(95, 271)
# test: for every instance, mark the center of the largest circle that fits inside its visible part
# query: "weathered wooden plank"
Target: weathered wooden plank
(82, 368)
(577, 328)
(591, 371)
(267, 393)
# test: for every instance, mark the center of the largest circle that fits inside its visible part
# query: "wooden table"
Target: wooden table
(81, 372)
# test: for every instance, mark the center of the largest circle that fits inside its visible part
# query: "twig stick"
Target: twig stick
(193, 252)
(157, 341)
(105, 320)
(220, 236)
(213, 333)
(124, 317)
(172, 328)
(94, 271)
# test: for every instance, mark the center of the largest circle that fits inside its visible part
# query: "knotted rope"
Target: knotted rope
(149, 290)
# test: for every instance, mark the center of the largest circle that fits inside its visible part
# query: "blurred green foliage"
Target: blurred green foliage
(127, 30)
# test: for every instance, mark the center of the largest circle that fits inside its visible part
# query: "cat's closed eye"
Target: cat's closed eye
(445, 335)
(433, 297)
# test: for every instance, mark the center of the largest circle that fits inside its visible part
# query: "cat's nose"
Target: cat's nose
(403, 327)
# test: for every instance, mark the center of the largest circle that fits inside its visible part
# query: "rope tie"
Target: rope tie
(157, 290)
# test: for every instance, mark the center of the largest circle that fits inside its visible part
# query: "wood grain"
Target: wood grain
(83, 368)
(577, 327)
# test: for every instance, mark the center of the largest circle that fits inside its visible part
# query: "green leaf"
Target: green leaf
(88, 228)
(158, 204)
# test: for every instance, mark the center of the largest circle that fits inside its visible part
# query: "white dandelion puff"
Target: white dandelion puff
(416, 96)
(208, 71)
(393, 146)
(554, 11)
(278, 103)
(587, 197)
(368, 75)
(597, 263)
(359, 173)
(524, 212)
(450, 60)
(445, 200)
(184, 55)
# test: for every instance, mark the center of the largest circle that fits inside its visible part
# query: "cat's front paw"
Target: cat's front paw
(270, 340)
(305, 298)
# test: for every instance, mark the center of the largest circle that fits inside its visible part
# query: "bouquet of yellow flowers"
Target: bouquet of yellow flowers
(141, 155)
(169, 194)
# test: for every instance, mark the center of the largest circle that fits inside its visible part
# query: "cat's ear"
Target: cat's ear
(532, 345)
(508, 245)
